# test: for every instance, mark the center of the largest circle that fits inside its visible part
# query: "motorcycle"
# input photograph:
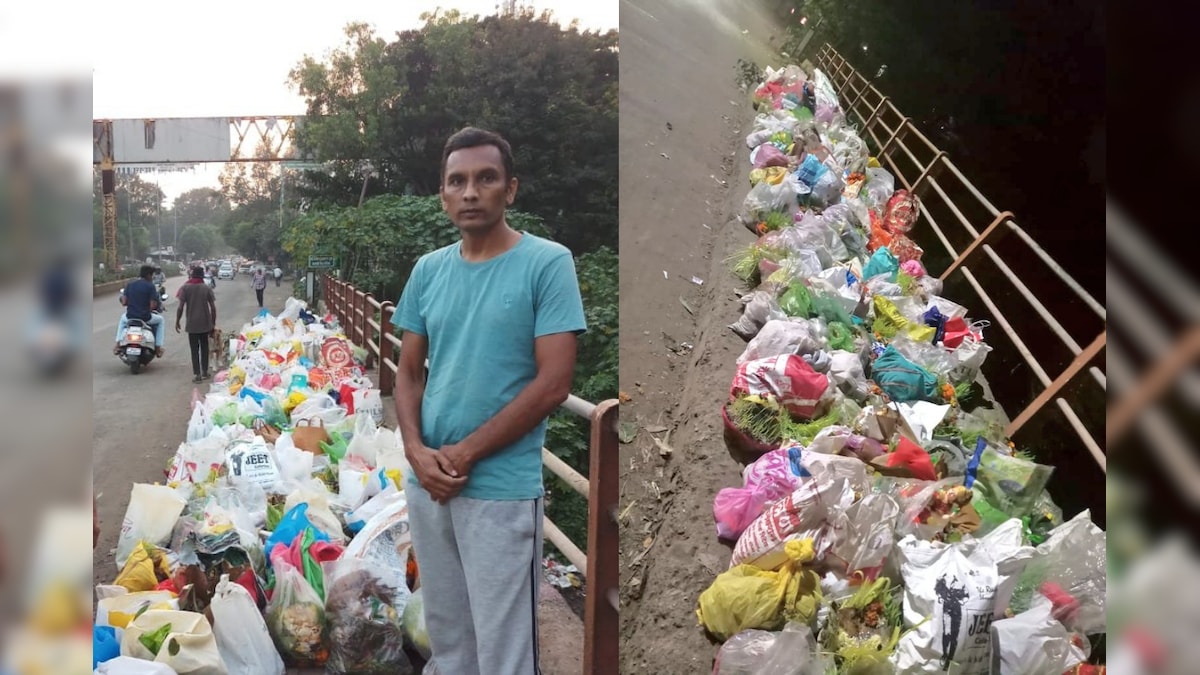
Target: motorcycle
(162, 297)
(136, 348)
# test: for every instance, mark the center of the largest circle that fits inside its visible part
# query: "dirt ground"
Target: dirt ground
(683, 178)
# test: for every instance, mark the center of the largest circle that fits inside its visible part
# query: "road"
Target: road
(140, 420)
(683, 177)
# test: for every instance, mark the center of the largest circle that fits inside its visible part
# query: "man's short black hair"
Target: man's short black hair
(471, 137)
(146, 272)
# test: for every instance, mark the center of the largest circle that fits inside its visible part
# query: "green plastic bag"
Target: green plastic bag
(840, 336)
(336, 448)
(226, 415)
(273, 413)
(1006, 487)
(796, 301)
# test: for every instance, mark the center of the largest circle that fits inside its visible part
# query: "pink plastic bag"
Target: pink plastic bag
(788, 378)
(768, 479)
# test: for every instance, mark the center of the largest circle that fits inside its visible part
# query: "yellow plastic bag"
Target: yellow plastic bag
(144, 570)
(746, 597)
(889, 322)
(294, 399)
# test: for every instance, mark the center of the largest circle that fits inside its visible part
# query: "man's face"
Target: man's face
(474, 190)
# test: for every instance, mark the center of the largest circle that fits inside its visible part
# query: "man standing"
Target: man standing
(259, 282)
(141, 299)
(497, 314)
(199, 304)
(278, 275)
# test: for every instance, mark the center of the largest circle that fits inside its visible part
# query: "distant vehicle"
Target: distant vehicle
(245, 267)
(225, 272)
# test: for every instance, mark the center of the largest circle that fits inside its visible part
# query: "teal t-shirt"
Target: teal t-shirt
(481, 320)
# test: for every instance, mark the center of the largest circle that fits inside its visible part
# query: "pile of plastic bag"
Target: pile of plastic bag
(884, 523)
(280, 535)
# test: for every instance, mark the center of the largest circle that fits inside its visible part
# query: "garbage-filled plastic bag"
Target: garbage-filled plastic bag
(768, 155)
(369, 403)
(105, 645)
(306, 553)
(734, 509)
(746, 596)
(385, 542)
(151, 516)
(293, 524)
(841, 440)
(878, 189)
(251, 462)
(320, 515)
(765, 198)
(791, 336)
(1034, 643)
(960, 588)
(846, 373)
(871, 526)
(799, 515)
(901, 379)
(118, 611)
(1005, 486)
(200, 425)
(760, 307)
(791, 651)
(1073, 558)
(296, 619)
(319, 406)
(901, 212)
(182, 640)
(128, 665)
(198, 461)
(146, 567)
(414, 624)
(295, 465)
(788, 379)
(882, 262)
(241, 633)
(366, 633)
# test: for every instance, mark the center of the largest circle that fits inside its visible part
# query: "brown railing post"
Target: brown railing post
(369, 333)
(601, 617)
(1073, 369)
(386, 379)
(991, 235)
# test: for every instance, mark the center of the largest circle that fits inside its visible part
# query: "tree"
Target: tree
(201, 241)
(200, 206)
(551, 92)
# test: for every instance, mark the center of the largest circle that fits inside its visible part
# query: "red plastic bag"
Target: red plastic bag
(914, 458)
(788, 378)
(346, 397)
(901, 212)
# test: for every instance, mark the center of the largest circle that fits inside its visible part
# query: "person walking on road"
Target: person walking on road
(278, 276)
(259, 282)
(198, 304)
(497, 314)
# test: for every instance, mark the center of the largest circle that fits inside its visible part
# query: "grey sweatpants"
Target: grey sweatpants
(480, 563)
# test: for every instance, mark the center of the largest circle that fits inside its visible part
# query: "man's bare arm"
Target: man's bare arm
(410, 386)
(555, 355)
(433, 469)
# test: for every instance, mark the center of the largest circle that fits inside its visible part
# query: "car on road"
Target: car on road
(225, 272)
(246, 267)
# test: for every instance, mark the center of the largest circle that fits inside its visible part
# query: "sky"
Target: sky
(222, 58)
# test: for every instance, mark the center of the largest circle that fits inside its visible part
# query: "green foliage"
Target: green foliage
(201, 241)
(551, 92)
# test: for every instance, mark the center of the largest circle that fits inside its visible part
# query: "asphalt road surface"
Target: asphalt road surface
(140, 420)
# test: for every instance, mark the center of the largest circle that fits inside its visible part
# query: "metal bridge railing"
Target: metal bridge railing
(981, 250)
(357, 312)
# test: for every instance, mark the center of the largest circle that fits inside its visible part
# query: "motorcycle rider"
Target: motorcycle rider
(140, 299)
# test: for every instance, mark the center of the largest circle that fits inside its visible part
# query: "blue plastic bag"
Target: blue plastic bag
(292, 525)
(105, 646)
(811, 170)
(882, 262)
(901, 379)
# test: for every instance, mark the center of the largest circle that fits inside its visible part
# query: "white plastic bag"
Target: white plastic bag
(317, 496)
(190, 647)
(319, 406)
(200, 424)
(151, 516)
(252, 462)
(800, 515)
(295, 465)
(117, 611)
(364, 444)
(242, 637)
(1033, 643)
(793, 336)
(846, 373)
(127, 665)
(385, 542)
(962, 587)
(195, 460)
(760, 307)
(369, 402)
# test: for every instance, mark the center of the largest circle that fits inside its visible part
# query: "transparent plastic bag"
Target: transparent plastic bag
(1073, 558)
(792, 651)
(878, 189)
(792, 336)
(765, 198)
(365, 616)
(760, 307)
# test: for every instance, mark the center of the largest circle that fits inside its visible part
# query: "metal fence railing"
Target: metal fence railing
(1048, 363)
(366, 321)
